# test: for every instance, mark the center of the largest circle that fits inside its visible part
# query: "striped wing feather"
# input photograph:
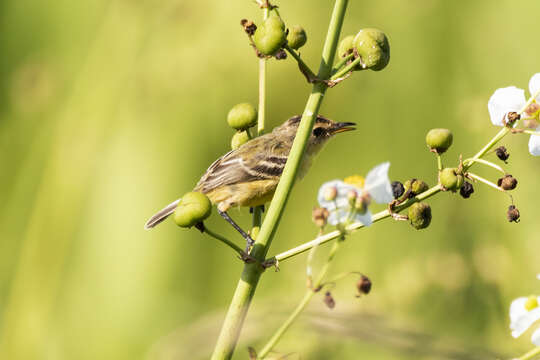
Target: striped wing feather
(252, 161)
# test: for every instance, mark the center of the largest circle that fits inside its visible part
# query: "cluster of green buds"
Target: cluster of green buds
(454, 179)
(419, 213)
(369, 48)
(241, 117)
(271, 37)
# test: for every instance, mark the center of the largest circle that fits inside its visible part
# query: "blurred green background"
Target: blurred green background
(111, 109)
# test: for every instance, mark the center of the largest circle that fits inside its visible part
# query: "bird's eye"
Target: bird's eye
(318, 131)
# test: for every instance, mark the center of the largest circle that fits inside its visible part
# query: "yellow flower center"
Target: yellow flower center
(531, 303)
(355, 180)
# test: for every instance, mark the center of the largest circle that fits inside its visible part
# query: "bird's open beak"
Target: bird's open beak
(342, 127)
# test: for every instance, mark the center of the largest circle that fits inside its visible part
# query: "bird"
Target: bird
(248, 176)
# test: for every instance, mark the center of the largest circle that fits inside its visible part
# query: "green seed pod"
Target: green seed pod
(193, 208)
(239, 139)
(418, 186)
(439, 140)
(242, 116)
(451, 179)
(346, 46)
(420, 215)
(270, 36)
(373, 47)
(297, 37)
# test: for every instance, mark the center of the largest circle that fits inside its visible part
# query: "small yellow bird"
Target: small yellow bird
(248, 176)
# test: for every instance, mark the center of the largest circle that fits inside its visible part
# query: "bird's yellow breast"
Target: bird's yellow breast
(253, 193)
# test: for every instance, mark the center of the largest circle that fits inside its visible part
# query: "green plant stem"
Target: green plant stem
(346, 69)
(530, 355)
(323, 239)
(485, 181)
(439, 162)
(342, 62)
(504, 131)
(251, 273)
(308, 72)
(485, 162)
(224, 240)
(303, 303)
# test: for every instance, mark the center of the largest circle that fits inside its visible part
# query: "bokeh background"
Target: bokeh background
(110, 109)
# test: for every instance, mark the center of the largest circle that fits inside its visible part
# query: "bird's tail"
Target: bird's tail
(161, 215)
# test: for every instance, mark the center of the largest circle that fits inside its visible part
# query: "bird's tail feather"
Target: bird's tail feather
(161, 215)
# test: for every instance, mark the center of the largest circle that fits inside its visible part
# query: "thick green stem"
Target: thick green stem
(530, 355)
(249, 279)
(301, 306)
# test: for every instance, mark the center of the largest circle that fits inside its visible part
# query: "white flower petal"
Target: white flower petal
(538, 276)
(505, 100)
(517, 309)
(378, 184)
(534, 85)
(338, 216)
(364, 218)
(329, 205)
(534, 147)
(524, 322)
(535, 338)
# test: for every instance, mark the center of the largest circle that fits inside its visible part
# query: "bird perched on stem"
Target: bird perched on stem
(249, 175)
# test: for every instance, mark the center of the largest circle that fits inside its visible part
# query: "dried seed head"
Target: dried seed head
(320, 216)
(502, 153)
(329, 300)
(249, 26)
(466, 190)
(280, 55)
(507, 182)
(512, 214)
(397, 189)
(512, 117)
(364, 285)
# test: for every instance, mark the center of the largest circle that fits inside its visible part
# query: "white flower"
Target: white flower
(377, 187)
(512, 99)
(524, 313)
(503, 101)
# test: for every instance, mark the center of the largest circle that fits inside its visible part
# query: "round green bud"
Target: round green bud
(373, 47)
(439, 140)
(420, 215)
(239, 139)
(346, 46)
(242, 116)
(270, 36)
(193, 208)
(451, 179)
(418, 186)
(297, 37)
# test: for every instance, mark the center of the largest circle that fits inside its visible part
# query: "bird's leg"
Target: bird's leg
(249, 240)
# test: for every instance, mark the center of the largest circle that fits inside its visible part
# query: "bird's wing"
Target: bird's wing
(251, 162)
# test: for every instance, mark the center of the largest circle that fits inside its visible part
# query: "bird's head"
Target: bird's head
(323, 130)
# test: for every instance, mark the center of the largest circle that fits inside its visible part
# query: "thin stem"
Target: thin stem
(342, 62)
(504, 131)
(485, 181)
(530, 355)
(302, 305)
(531, 132)
(305, 68)
(346, 69)
(224, 240)
(251, 274)
(439, 162)
(323, 239)
(485, 162)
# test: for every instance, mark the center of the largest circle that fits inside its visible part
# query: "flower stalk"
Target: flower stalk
(252, 272)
